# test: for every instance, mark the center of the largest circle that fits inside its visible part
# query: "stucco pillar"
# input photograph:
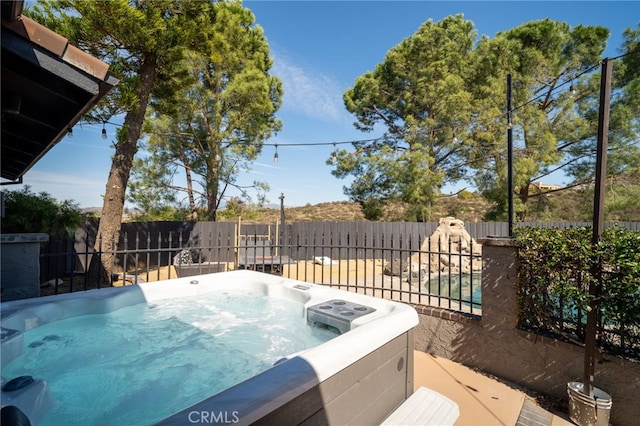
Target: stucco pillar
(499, 286)
(20, 265)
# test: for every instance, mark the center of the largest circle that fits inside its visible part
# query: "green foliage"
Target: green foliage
(440, 97)
(624, 121)
(422, 213)
(556, 268)
(236, 208)
(418, 88)
(372, 209)
(551, 128)
(162, 213)
(149, 188)
(144, 44)
(465, 195)
(27, 212)
(622, 202)
(226, 112)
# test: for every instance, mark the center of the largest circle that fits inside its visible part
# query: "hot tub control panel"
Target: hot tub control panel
(336, 313)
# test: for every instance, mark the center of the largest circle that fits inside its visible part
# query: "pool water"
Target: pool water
(141, 363)
(467, 287)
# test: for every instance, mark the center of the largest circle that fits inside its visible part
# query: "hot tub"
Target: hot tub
(358, 377)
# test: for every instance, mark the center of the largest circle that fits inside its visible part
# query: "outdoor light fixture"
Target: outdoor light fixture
(275, 156)
(104, 131)
(11, 103)
(572, 88)
(69, 132)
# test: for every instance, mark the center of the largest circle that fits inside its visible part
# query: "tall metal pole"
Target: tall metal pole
(595, 287)
(281, 209)
(510, 155)
(282, 233)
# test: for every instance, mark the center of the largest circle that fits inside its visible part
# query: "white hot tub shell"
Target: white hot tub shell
(358, 377)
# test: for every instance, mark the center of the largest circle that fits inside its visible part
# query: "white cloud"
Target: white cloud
(309, 91)
(265, 165)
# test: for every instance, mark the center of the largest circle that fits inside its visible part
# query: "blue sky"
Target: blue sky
(319, 48)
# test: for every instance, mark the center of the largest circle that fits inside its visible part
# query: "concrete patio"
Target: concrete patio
(482, 400)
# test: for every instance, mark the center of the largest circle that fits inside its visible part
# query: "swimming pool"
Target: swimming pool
(359, 375)
(463, 291)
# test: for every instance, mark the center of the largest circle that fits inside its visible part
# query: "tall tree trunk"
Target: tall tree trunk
(126, 148)
(524, 197)
(193, 215)
(212, 207)
(212, 192)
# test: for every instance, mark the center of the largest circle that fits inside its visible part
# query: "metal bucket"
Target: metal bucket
(586, 410)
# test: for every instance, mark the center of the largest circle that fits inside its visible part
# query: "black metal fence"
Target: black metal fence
(556, 275)
(618, 334)
(382, 259)
(326, 237)
(405, 267)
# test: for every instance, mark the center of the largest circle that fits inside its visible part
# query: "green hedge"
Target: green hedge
(28, 212)
(556, 267)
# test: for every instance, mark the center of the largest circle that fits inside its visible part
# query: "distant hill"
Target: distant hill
(469, 210)
(623, 205)
(562, 206)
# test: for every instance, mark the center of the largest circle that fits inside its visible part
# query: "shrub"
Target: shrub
(27, 212)
(372, 209)
(555, 270)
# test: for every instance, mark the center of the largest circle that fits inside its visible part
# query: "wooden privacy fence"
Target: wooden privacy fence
(218, 241)
(359, 256)
(211, 237)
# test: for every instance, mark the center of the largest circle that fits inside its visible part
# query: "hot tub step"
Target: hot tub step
(424, 407)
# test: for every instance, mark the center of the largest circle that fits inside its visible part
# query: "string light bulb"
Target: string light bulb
(572, 89)
(334, 154)
(104, 131)
(275, 156)
(69, 132)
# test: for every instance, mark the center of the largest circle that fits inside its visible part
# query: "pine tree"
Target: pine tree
(143, 41)
(225, 114)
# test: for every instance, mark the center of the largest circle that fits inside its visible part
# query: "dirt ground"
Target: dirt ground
(345, 272)
(359, 276)
(363, 276)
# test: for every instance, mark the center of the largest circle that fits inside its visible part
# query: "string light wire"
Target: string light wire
(531, 100)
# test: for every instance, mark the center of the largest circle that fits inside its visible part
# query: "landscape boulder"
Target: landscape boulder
(448, 250)
(451, 250)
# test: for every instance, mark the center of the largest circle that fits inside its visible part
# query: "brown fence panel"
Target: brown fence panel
(154, 244)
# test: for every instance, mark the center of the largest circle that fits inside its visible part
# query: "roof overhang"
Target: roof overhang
(47, 86)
